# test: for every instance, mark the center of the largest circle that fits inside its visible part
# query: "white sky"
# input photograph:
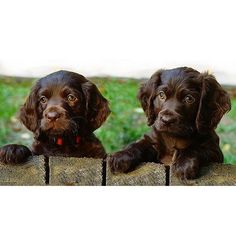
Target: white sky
(123, 38)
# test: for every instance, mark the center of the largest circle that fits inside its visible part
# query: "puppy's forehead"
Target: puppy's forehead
(173, 73)
(180, 78)
(61, 79)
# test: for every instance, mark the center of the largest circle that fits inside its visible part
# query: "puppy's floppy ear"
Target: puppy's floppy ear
(97, 109)
(214, 103)
(147, 94)
(28, 114)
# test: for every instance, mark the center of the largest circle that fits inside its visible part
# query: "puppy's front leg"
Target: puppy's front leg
(127, 159)
(188, 162)
(14, 154)
(186, 166)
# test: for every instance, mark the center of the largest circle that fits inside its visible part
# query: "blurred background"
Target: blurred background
(117, 44)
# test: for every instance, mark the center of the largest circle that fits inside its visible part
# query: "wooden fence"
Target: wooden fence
(40, 170)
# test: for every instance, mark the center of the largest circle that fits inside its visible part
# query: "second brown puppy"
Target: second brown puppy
(183, 108)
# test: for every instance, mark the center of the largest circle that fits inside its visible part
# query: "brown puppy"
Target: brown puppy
(183, 108)
(62, 110)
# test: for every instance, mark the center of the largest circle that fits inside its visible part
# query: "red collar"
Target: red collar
(59, 140)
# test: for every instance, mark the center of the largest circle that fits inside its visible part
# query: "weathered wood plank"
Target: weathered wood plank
(213, 175)
(147, 174)
(30, 173)
(75, 171)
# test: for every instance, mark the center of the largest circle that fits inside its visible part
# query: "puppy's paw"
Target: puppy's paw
(121, 162)
(14, 154)
(186, 168)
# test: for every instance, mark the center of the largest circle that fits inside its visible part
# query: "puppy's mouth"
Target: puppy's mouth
(64, 126)
(162, 127)
(176, 129)
(57, 127)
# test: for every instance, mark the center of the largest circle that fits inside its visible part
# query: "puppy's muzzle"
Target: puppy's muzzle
(168, 117)
(54, 113)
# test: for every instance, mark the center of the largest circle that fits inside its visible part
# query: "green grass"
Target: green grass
(232, 113)
(12, 95)
(126, 123)
(227, 133)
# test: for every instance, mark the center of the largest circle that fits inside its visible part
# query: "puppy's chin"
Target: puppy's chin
(54, 132)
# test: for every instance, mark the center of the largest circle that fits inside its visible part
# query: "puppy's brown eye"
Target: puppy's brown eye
(189, 99)
(162, 95)
(43, 99)
(71, 98)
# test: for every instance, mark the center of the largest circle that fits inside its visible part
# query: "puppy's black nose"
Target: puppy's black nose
(52, 115)
(167, 119)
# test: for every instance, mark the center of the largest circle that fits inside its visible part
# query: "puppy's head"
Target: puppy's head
(64, 102)
(182, 101)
